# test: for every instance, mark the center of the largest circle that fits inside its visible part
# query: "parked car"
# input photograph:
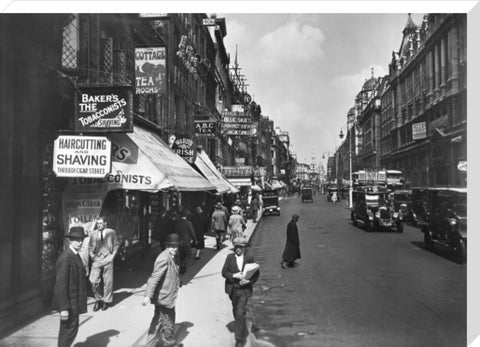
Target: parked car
(371, 207)
(307, 194)
(445, 220)
(270, 202)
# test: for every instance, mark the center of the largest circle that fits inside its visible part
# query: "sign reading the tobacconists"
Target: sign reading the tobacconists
(104, 109)
(81, 156)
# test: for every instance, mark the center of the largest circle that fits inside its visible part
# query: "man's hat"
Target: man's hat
(240, 242)
(218, 205)
(172, 240)
(76, 232)
(235, 209)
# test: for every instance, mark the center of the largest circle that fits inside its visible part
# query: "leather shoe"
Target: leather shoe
(97, 306)
(104, 306)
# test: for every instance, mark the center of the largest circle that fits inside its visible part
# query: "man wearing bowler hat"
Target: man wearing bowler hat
(162, 290)
(238, 288)
(70, 292)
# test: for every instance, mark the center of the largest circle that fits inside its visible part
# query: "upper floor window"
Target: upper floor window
(70, 42)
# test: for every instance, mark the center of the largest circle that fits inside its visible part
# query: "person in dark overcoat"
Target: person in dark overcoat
(200, 226)
(70, 291)
(184, 229)
(292, 245)
(239, 289)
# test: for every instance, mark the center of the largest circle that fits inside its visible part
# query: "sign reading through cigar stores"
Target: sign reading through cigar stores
(107, 109)
(81, 156)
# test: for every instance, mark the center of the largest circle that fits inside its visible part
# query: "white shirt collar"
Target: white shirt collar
(74, 251)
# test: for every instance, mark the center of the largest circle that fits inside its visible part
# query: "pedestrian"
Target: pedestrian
(184, 229)
(200, 227)
(236, 223)
(219, 224)
(162, 291)
(70, 291)
(254, 206)
(238, 288)
(103, 247)
(292, 245)
(238, 204)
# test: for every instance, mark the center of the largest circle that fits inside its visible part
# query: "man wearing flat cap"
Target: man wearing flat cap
(238, 288)
(70, 291)
(162, 290)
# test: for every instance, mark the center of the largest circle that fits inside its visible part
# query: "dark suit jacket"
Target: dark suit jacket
(70, 292)
(230, 267)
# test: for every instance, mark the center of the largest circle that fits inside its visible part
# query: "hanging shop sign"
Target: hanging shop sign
(185, 148)
(81, 156)
(104, 109)
(238, 108)
(205, 128)
(150, 70)
(419, 130)
(236, 122)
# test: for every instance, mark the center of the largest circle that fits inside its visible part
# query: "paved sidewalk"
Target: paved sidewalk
(203, 313)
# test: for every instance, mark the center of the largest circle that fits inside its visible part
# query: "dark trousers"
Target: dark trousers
(239, 302)
(68, 331)
(162, 326)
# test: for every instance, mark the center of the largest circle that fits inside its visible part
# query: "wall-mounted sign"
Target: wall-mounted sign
(205, 128)
(81, 156)
(185, 148)
(419, 131)
(153, 15)
(104, 109)
(209, 21)
(150, 70)
(238, 108)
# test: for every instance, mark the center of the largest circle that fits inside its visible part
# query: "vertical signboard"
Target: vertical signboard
(419, 131)
(150, 70)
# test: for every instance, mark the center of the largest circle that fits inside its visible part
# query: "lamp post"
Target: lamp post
(350, 188)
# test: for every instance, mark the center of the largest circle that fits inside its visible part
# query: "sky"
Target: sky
(306, 69)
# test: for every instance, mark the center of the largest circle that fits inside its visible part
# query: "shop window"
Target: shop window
(70, 42)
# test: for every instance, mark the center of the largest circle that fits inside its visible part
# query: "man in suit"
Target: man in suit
(239, 289)
(162, 290)
(291, 251)
(103, 247)
(70, 291)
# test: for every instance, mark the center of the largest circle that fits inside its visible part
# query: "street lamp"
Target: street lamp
(350, 188)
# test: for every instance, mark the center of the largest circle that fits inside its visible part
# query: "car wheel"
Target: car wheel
(460, 251)
(427, 238)
(399, 227)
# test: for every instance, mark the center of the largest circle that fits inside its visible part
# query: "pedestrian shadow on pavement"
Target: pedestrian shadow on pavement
(98, 340)
(181, 331)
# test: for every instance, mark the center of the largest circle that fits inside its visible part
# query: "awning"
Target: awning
(208, 169)
(142, 161)
(233, 189)
(240, 182)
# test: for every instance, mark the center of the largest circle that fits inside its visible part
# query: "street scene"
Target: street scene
(234, 179)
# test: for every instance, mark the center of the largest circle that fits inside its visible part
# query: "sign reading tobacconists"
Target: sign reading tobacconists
(104, 109)
(81, 156)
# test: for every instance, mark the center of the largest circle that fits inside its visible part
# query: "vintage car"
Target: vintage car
(402, 203)
(331, 191)
(307, 194)
(270, 202)
(445, 220)
(372, 208)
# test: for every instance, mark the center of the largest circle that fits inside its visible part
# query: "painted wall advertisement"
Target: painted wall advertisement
(81, 156)
(104, 109)
(150, 70)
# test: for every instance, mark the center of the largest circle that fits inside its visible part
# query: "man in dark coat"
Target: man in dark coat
(238, 288)
(292, 246)
(70, 291)
(184, 229)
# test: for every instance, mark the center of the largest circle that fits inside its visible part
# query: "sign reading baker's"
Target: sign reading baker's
(81, 156)
(107, 109)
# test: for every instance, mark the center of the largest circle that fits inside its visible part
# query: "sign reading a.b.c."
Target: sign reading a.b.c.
(104, 109)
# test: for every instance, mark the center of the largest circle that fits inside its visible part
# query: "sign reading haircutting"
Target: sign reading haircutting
(150, 70)
(81, 156)
(104, 109)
